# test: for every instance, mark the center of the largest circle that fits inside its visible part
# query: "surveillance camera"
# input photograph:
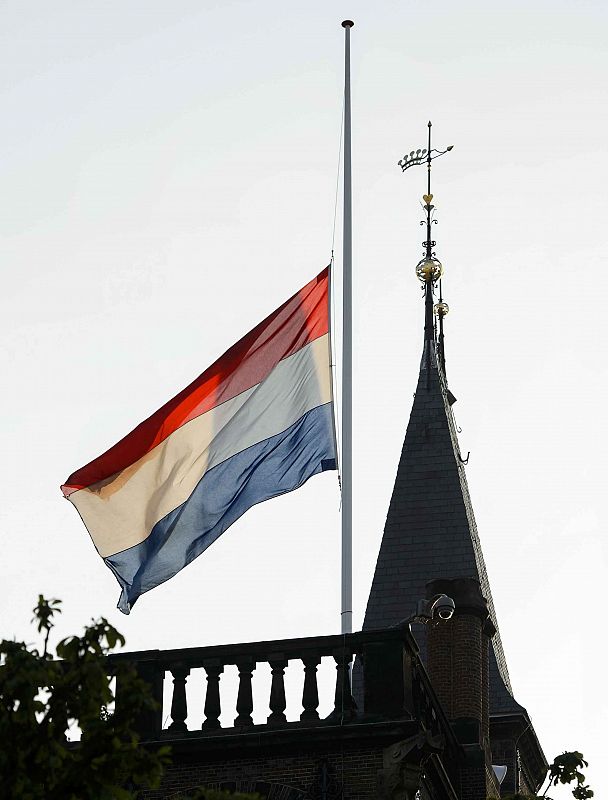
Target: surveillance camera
(441, 605)
(444, 606)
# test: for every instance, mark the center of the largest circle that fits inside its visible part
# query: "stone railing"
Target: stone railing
(393, 683)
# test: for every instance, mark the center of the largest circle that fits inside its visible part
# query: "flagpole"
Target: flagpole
(347, 358)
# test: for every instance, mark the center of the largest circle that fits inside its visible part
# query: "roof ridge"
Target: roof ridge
(480, 561)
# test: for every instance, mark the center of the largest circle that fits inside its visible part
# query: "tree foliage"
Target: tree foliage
(46, 698)
(566, 768)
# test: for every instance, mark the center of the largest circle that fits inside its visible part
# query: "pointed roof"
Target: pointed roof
(430, 529)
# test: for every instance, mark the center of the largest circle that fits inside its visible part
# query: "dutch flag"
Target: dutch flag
(256, 424)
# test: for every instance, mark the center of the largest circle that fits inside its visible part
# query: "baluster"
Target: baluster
(277, 662)
(344, 703)
(310, 693)
(244, 701)
(179, 705)
(213, 707)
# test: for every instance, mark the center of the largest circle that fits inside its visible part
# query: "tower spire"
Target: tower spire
(430, 532)
(430, 529)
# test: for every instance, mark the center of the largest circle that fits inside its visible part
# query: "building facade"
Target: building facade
(423, 706)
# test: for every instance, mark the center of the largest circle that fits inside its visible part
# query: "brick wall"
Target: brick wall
(458, 665)
(355, 768)
(458, 655)
(455, 656)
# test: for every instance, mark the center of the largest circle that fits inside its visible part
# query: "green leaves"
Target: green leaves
(45, 704)
(44, 611)
(582, 792)
(565, 768)
(99, 639)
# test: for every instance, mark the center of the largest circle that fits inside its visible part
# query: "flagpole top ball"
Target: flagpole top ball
(348, 23)
(429, 269)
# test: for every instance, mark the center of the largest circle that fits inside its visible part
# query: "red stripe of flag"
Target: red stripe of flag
(300, 320)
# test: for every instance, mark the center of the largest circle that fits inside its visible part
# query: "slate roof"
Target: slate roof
(430, 529)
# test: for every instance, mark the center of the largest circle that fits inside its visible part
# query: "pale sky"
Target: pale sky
(168, 179)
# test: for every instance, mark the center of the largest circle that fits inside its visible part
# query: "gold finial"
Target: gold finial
(427, 198)
(429, 269)
(441, 309)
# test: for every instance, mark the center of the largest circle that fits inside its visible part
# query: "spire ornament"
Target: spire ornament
(429, 269)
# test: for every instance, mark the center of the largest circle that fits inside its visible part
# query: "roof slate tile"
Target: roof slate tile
(430, 529)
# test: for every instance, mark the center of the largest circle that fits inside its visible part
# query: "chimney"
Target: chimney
(458, 666)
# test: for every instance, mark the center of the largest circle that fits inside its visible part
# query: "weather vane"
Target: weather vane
(430, 266)
(429, 269)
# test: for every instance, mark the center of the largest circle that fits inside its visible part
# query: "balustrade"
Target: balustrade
(394, 683)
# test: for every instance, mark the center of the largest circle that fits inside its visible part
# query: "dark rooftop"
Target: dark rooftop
(430, 529)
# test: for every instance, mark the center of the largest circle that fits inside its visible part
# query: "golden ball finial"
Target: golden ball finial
(429, 269)
(441, 309)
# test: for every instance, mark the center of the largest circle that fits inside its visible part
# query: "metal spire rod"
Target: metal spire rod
(429, 245)
(429, 330)
(429, 269)
(347, 358)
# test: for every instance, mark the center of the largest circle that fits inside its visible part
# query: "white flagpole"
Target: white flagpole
(347, 359)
